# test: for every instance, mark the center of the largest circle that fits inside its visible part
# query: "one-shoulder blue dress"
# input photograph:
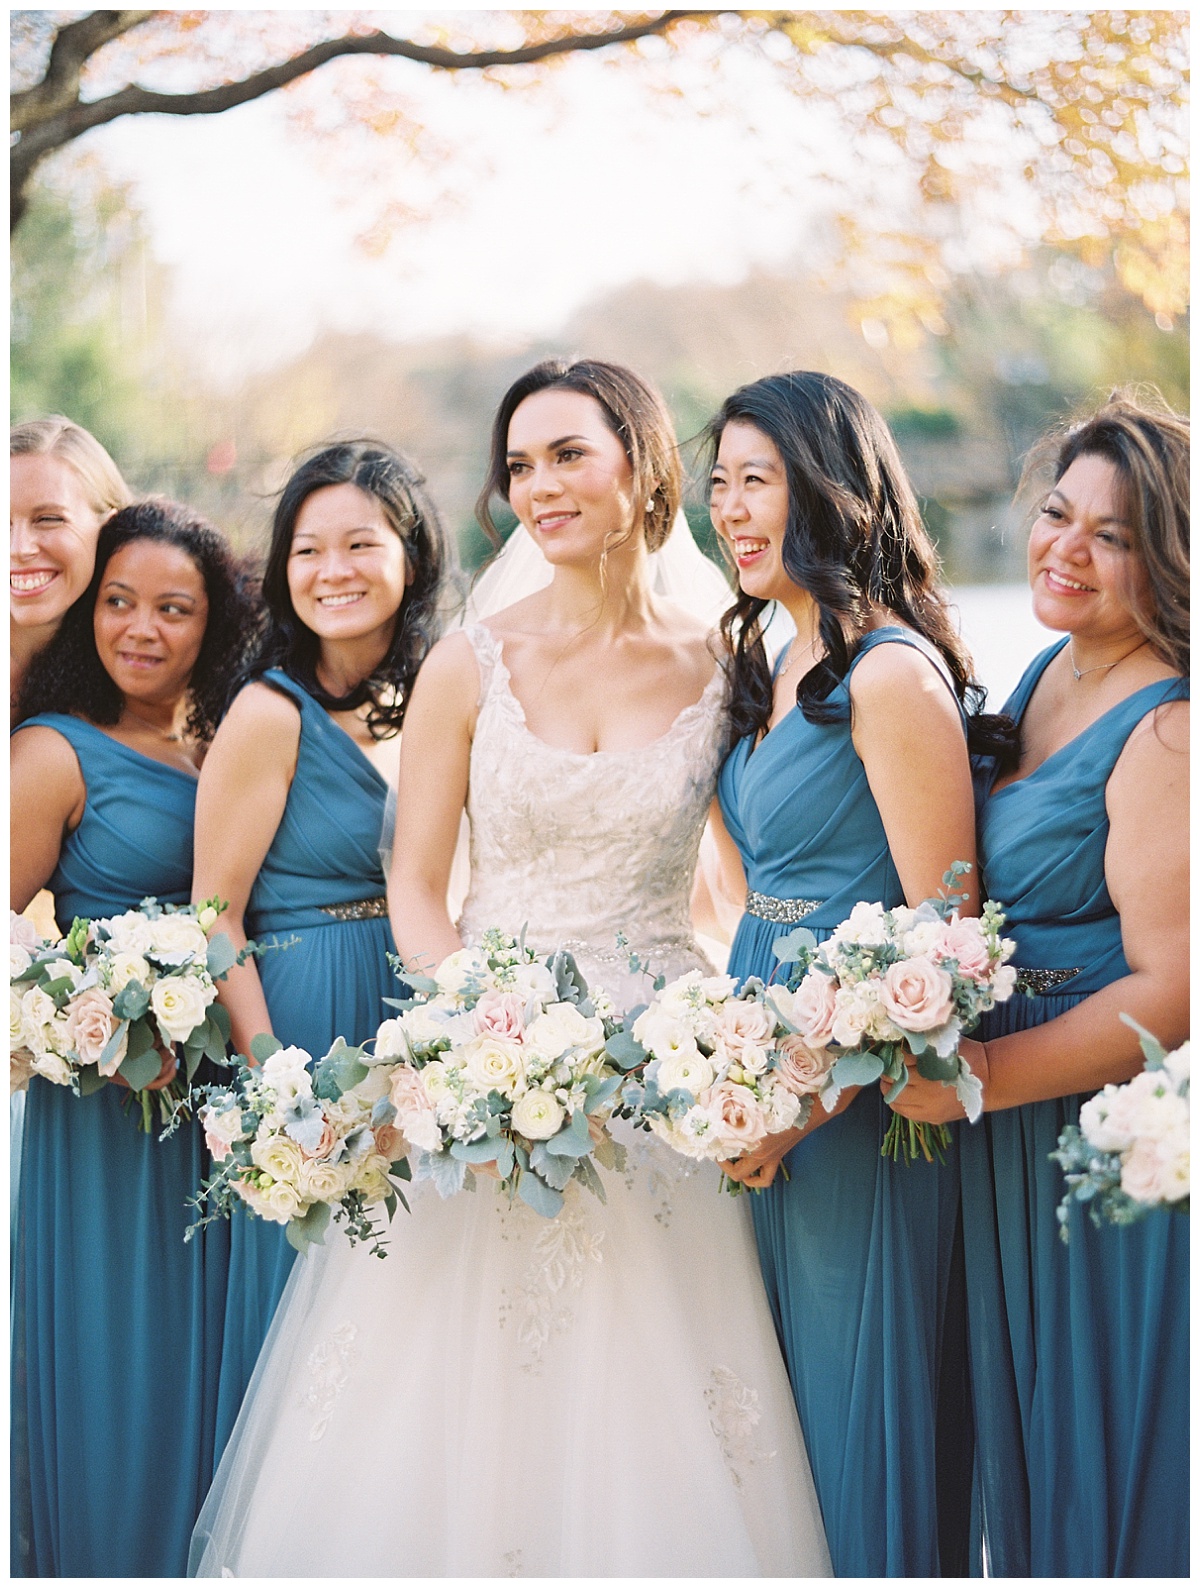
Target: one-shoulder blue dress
(321, 883)
(1079, 1352)
(861, 1256)
(117, 1323)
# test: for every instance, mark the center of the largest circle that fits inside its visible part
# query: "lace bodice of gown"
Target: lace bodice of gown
(575, 847)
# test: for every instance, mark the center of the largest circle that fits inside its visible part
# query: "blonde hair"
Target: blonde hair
(58, 437)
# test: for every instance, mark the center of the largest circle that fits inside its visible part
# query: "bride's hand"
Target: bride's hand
(932, 1102)
(757, 1168)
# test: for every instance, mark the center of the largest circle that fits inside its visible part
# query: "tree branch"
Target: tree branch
(73, 47)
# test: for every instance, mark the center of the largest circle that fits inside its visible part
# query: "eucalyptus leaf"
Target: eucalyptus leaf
(574, 1141)
(857, 1069)
(142, 1068)
(539, 1196)
(222, 956)
(600, 1089)
(797, 944)
(485, 1151)
(263, 1045)
(339, 1071)
(142, 1038)
(898, 1087)
(401, 1168)
(625, 1050)
(309, 1230)
(90, 1080)
(935, 1068)
(111, 1048)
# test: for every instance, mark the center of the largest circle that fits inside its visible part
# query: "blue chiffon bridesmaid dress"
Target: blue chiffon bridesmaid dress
(117, 1323)
(1079, 1352)
(322, 884)
(861, 1256)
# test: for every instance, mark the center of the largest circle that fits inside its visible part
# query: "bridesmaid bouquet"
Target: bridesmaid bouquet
(115, 996)
(717, 1071)
(497, 1064)
(890, 980)
(1131, 1150)
(301, 1143)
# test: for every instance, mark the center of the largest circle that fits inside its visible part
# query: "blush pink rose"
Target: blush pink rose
(815, 1007)
(501, 1014)
(917, 994)
(415, 1116)
(741, 1123)
(390, 1143)
(90, 1025)
(325, 1146)
(802, 1069)
(962, 941)
(744, 1027)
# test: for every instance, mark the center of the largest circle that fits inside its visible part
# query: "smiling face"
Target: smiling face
(151, 613)
(346, 571)
(570, 482)
(1086, 575)
(52, 538)
(748, 503)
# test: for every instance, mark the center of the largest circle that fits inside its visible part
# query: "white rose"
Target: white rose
(22, 930)
(1175, 1156)
(278, 1156)
(692, 1072)
(131, 933)
(435, 1076)
(1104, 1120)
(19, 960)
(53, 1066)
(287, 1070)
(1178, 1065)
(16, 1019)
(493, 1064)
(281, 1202)
(531, 980)
(179, 1004)
(372, 1180)
(222, 1129)
(321, 1181)
(37, 1015)
(176, 938)
(537, 1116)
(391, 1041)
(562, 1026)
(124, 968)
(717, 988)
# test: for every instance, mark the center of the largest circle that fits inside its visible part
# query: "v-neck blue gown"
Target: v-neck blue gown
(330, 983)
(117, 1323)
(861, 1256)
(1079, 1352)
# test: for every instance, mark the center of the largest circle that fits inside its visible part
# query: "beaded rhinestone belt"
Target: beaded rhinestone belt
(1043, 981)
(789, 911)
(357, 909)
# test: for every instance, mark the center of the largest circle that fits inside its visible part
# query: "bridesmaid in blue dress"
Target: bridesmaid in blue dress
(117, 1323)
(1080, 1352)
(292, 798)
(849, 780)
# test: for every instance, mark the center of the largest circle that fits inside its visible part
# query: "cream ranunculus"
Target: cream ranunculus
(179, 1004)
(90, 1026)
(493, 1064)
(537, 1116)
(278, 1156)
(692, 1072)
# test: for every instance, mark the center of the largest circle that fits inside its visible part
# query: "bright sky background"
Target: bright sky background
(553, 197)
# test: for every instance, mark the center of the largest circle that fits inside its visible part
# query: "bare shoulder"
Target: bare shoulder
(1157, 747)
(262, 715)
(891, 674)
(450, 671)
(43, 751)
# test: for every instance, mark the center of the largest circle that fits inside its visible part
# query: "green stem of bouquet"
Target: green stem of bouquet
(909, 1140)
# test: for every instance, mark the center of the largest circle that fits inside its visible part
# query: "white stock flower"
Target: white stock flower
(864, 924)
(663, 1035)
(179, 1004)
(531, 981)
(538, 1116)
(221, 1129)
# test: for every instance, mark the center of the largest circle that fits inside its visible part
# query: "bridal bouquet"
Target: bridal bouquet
(115, 996)
(716, 1071)
(1131, 1150)
(301, 1143)
(889, 980)
(497, 1064)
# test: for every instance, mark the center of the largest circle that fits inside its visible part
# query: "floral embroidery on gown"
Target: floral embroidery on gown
(597, 1395)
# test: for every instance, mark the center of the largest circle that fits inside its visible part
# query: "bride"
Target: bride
(600, 1394)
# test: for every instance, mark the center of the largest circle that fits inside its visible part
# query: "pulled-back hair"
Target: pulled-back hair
(392, 481)
(854, 540)
(634, 412)
(68, 675)
(1149, 445)
(58, 437)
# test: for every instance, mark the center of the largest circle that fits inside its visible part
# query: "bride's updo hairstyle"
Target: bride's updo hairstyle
(634, 412)
(854, 540)
(381, 472)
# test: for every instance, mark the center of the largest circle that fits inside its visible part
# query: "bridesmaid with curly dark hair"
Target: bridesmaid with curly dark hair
(293, 795)
(117, 1323)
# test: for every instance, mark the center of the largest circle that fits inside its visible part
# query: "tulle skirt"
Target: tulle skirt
(597, 1395)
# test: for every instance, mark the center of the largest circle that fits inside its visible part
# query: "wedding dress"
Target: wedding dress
(596, 1395)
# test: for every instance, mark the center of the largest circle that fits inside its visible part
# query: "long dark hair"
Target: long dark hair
(68, 675)
(398, 487)
(854, 540)
(1149, 445)
(635, 413)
